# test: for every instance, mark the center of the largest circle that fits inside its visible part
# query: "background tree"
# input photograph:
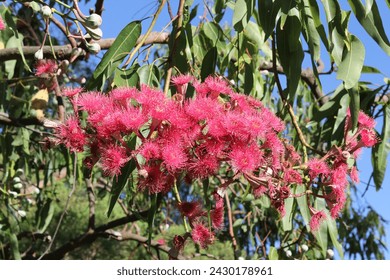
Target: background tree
(53, 207)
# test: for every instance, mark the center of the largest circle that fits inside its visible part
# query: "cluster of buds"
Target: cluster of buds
(193, 138)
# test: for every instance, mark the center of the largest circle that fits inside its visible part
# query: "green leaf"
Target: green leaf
(312, 36)
(338, 128)
(14, 244)
(209, 63)
(371, 22)
(302, 203)
(273, 254)
(321, 234)
(354, 106)
(126, 78)
(370, 70)
(352, 63)
(290, 51)
(240, 15)
(45, 216)
(268, 10)
(121, 47)
(147, 75)
(212, 31)
(11, 25)
(381, 150)
(12, 42)
(334, 236)
(288, 217)
(248, 83)
(119, 182)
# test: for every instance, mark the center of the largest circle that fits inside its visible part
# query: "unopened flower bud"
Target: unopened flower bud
(14, 194)
(22, 213)
(18, 186)
(346, 154)
(94, 48)
(288, 254)
(16, 180)
(143, 173)
(93, 21)
(39, 54)
(36, 190)
(330, 253)
(94, 33)
(19, 172)
(305, 248)
(46, 12)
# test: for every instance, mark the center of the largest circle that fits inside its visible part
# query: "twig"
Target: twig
(63, 29)
(65, 51)
(90, 237)
(65, 209)
(177, 32)
(91, 204)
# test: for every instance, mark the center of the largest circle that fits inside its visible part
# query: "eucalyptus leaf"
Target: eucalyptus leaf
(381, 150)
(371, 22)
(352, 63)
(123, 44)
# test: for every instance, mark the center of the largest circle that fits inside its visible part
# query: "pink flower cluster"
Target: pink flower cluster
(2, 24)
(196, 136)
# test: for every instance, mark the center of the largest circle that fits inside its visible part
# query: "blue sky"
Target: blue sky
(118, 13)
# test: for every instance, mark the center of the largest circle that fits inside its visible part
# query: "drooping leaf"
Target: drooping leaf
(209, 63)
(120, 181)
(268, 10)
(352, 63)
(334, 236)
(240, 14)
(273, 254)
(11, 25)
(212, 31)
(302, 204)
(371, 22)
(290, 51)
(248, 83)
(288, 217)
(45, 215)
(321, 234)
(381, 150)
(120, 48)
(354, 105)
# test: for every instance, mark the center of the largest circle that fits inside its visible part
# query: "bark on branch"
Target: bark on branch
(89, 237)
(64, 52)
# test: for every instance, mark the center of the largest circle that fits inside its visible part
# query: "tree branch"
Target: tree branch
(65, 51)
(90, 237)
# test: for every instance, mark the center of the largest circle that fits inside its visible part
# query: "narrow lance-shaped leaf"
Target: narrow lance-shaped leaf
(334, 236)
(119, 182)
(371, 22)
(352, 63)
(321, 234)
(381, 150)
(268, 10)
(354, 105)
(121, 47)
